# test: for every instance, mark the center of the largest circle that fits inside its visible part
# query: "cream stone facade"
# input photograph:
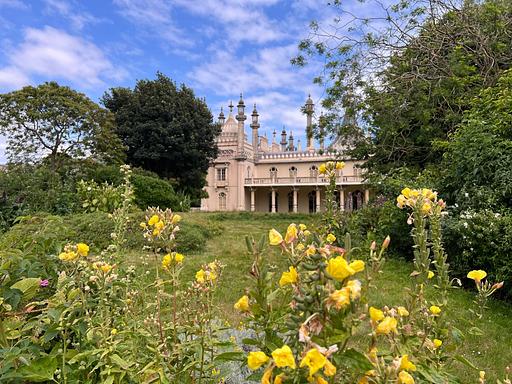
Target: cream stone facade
(268, 176)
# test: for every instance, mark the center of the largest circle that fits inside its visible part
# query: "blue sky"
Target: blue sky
(218, 47)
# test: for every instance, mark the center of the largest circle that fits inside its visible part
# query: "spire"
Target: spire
(299, 146)
(309, 109)
(283, 139)
(222, 118)
(291, 146)
(255, 126)
(241, 117)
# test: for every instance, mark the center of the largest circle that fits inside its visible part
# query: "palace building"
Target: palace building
(276, 176)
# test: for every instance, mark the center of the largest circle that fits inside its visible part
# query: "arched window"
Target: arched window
(273, 172)
(312, 201)
(293, 172)
(313, 171)
(357, 200)
(222, 201)
(290, 201)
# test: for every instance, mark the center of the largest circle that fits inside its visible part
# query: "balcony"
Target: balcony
(320, 180)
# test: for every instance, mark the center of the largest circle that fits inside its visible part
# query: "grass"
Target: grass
(491, 352)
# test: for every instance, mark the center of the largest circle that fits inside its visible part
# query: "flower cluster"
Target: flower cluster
(73, 251)
(424, 199)
(330, 167)
(160, 224)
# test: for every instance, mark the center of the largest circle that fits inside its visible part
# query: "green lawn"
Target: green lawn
(491, 352)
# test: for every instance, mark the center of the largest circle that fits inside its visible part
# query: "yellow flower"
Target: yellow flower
(340, 165)
(386, 326)
(406, 364)
(279, 379)
(430, 274)
(275, 237)
(179, 258)
(289, 277)
(302, 227)
(340, 298)
(153, 220)
(106, 268)
(321, 380)
(314, 360)
(355, 289)
(159, 225)
(299, 247)
(437, 343)
(426, 208)
(291, 234)
(322, 168)
(307, 233)
(156, 232)
(435, 310)
(403, 312)
(357, 265)
(429, 194)
(376, 314)
(200, 276)
(331, 238)
(401, 200)
(242, 304)
(256, 359)
(143, 225)
(175, 219)
(477, 275)
(68, 256)
(311, 250)
(406, 192)
(113, 331)
(339, 269)
(283, 357)
(329, 369)
(267, 375)
(82, 249)
(405, 378)
(166, 261)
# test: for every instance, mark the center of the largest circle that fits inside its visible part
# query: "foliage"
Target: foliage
(95, 197)
(166, 129)
(481, 240)
(56, 121)
(478, 158)
(306, 327)
(155, 192)
(407, 72)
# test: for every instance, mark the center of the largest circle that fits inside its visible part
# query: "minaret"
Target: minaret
(299, 146)
(240, 117)
(309, 108)
(255, 126)
(222, 119)
(283, 140)
(321, 126)
(290, 142)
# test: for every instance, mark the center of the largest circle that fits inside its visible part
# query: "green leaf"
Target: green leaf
(27, 286)
(116, 359)
(356, 360)
(37, 371)
(466, 362)
(231, 356)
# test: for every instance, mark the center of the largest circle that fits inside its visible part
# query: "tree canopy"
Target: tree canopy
(166, 129)
(56, 122)
(409, 73)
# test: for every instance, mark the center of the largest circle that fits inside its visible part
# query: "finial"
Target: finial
(230, 106)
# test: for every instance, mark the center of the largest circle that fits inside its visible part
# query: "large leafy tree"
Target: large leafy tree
(410, 71)
(167, 130)
(56, 122)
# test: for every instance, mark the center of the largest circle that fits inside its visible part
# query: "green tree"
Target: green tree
(477, 162)
(166, 129)
(414, 67)
(56, 122)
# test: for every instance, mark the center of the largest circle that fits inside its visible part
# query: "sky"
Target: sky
(219, 48)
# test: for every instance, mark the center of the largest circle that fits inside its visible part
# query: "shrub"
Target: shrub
(481, 240)
(154, 192)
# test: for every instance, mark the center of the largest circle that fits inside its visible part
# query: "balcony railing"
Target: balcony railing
(320, 180)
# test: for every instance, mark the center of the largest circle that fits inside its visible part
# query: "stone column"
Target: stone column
(273, 199)
(253, 200)
(317, 199)
(366, 196)
(342, 199)
(295, 201)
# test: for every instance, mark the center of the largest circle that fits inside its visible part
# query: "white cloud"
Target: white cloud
(54, 54)
(156, 17)
(12, 78)
(69, 9)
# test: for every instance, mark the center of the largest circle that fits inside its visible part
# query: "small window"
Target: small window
(293, 172)
(273, 172)
(221, 174)
(222, 201)
(313, 171)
